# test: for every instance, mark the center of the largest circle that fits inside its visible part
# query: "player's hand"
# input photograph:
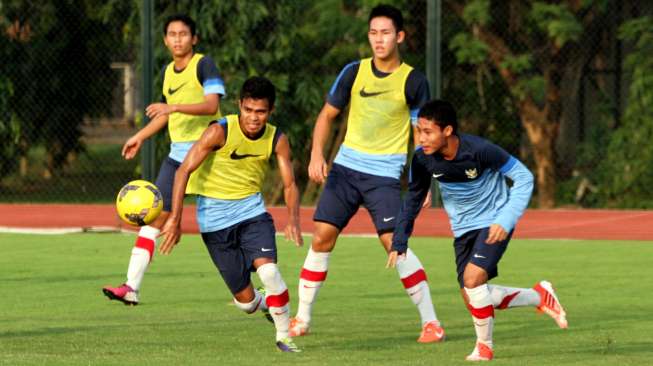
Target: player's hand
(317, 169)
(171, 232)
(427, 200)
(496, 234)
(294, 233)
(131, 147)
(393, 257)
(158, 109)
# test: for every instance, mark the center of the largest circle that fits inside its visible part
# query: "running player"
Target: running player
(192, 88)
(483, 211)
(383, 94)
(231, 158)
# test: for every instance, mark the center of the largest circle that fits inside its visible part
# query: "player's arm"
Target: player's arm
(417, 94)
(317, 168)
(134, 143)
(520, 195)
(212, 138)
(290, 192)
(418, 187)
(208, 107)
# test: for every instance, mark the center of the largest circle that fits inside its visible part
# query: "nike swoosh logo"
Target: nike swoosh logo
(236, 156)
(437, 175)
(365, 94)
(266, 249)
(439, 334)
(478, 256)
(171, 91)
(386, 219)
(280, 312)
(311, 286)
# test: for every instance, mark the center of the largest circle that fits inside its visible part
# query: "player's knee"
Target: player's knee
(323, 242)
(474, 279)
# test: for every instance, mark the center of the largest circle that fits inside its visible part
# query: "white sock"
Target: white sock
(252, 306)
(141, 257)
(482, 309)
(510, 297)
(413, 277)
(311, 279)
(276, 297)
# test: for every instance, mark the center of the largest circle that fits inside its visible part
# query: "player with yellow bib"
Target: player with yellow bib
(384, 95)
(229, 163)
(192, 88)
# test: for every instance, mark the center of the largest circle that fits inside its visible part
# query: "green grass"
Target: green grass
(53, 313)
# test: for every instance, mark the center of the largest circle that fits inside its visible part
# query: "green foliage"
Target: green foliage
(468, 49)
(533, 86)
(62, 73)
(477, 12)
(557, 21)
(624, 176)
(9, 129)
(518, 63)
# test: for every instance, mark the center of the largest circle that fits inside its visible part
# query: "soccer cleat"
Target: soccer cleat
(123, 293)
(265, 310)
(431, 332)
(549, 303)
(287, 345)
(481, 353)
(297, 328)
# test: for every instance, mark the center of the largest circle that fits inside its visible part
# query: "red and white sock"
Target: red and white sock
(311, 279)
(141, 257)
(276, 297)
(482, 309)
(510, 297)
(413, 277)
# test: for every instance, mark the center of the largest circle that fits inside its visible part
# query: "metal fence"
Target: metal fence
(548, 81)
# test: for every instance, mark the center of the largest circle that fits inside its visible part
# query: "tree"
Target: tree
(533, 46)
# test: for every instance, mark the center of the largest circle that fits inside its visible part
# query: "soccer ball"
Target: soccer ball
(139, 203)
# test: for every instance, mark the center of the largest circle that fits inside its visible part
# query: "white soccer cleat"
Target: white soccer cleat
(549, 303)
(482, 352)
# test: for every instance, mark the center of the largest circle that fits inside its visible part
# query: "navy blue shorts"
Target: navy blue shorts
(166, 180)
(235, 248)
(471, 247)
(347, 189)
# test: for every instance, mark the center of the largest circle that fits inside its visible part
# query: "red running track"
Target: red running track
(554, 224)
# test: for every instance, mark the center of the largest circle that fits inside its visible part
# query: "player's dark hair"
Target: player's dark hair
(258, 87)
(440, 112)
(388, 11)
(180, 18)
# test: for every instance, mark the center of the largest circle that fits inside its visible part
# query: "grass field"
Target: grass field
(52, 311)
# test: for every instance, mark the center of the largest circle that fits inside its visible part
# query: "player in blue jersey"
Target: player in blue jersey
(230, 160)
(192, 88)
(383, 94)
(483, 211)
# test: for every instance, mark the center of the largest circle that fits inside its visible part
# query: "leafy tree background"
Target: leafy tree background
(511, 67)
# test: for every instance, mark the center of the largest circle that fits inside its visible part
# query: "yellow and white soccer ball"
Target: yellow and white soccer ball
(139, 202)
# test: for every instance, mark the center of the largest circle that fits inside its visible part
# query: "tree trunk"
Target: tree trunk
(542, 134)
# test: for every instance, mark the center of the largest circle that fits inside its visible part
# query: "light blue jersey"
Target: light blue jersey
(215, 214)
(474, 190)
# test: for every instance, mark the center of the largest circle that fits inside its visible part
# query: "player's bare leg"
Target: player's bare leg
(412, 275)
(139, 262)
(313, 275)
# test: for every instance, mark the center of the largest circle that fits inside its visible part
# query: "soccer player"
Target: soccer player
(483, 211)
(231, 158)
(192, 88)
(383, 94)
